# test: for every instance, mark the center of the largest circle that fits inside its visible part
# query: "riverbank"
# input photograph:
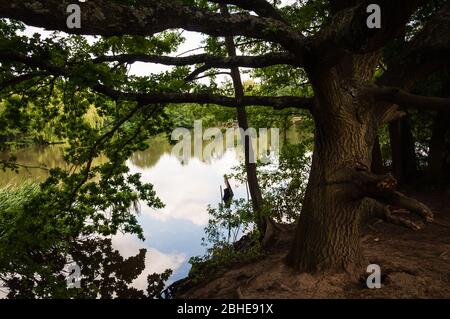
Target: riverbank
(414, 264)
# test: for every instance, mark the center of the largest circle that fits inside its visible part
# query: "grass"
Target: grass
(13, 197)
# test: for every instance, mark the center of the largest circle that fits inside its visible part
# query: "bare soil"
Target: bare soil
(414, 264)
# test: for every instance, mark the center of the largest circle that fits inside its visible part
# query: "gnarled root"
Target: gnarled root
(379, 195)
(363, 183)
(386, 200)
(388, 206)
(397, 199)
(388, 216)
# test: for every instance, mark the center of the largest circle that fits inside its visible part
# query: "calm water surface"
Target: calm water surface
(173, 234)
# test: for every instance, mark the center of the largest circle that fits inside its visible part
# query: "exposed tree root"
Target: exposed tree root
(397, 199)
(385, 202)
(391, 204)
(387, 184)
(388, 215)
(380, 190)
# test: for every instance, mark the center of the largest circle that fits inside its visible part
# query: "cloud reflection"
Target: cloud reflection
(155, 261)
(187, 189)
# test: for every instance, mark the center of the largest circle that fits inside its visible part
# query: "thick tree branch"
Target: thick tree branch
(106, 18)
(407, 100)
(348, 31)
(33, 62)
(211, 60)
(361, 182)
(19, 79)
(279, 102)
(261, 7)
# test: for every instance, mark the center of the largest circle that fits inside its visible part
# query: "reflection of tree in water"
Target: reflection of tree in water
(158, 146)
(104, 274)
(34, 156)
(38, 155)
(52, 156)
(44, 156)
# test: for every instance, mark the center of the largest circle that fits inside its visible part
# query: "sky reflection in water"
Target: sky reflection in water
(173, 234)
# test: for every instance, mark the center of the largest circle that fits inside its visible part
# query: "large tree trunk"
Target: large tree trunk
(341, 191)
(328, 228)
(328, 232)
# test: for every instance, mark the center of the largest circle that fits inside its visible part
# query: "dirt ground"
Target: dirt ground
(414, 264)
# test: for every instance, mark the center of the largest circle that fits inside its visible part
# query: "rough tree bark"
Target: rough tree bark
(341, 184)
(345, 131)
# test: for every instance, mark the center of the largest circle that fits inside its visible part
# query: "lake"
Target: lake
(173, 234)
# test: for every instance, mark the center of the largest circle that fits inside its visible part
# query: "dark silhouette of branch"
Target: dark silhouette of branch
(211, 60)
(407, 100)
(278, 102)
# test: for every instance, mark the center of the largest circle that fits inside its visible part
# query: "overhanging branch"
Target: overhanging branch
(407, 100)
(211, 60)
(279, 102)
(146, 18)
(19, 79)
(348, 30)
(261, 7)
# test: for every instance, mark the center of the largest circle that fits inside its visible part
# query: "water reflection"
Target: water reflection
(158, 146)
(173, 234)
(43, 156)
(186, 189)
